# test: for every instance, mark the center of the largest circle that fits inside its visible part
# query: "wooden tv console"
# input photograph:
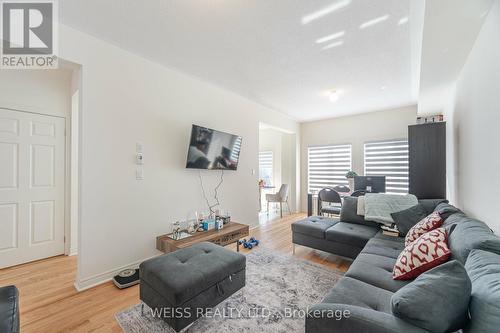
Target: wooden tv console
(231, 233)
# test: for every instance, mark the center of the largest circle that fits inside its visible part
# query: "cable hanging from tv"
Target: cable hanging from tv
(212, 207)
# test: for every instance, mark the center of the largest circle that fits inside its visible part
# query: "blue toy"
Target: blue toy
(250, 243)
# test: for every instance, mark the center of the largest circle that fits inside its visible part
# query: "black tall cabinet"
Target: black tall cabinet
(427, 150)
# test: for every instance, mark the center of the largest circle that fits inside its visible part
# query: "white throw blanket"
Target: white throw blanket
(380, 206)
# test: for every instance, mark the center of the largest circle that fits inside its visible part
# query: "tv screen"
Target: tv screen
(213, 150)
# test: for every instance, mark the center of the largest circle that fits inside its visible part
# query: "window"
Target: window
(390, 159)
(266, 167)
(327, 166)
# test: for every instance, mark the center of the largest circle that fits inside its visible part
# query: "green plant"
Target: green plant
(350, 174)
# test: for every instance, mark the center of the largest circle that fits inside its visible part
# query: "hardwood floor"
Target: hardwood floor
(50, 303)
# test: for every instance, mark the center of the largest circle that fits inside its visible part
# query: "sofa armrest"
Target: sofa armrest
(330, 317)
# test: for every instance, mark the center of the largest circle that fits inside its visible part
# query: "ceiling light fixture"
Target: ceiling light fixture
(333, 95)
(325, 11)
(332, 45)
(403, 20)
(330, 37)
(374, 21)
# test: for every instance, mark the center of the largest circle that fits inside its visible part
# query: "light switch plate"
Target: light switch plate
(139, 174)
(139, 159)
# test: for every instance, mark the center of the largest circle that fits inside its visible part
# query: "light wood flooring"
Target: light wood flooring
(50, 303)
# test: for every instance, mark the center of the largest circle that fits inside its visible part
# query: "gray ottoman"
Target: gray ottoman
(180, 286)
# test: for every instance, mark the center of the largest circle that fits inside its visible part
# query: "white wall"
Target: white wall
(356, 130)
(127, 99)
(449, 32)
(473, 116)
(75, 116)
(289, 162)
(44, 91)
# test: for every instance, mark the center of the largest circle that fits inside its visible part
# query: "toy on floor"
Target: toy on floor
(250, 243)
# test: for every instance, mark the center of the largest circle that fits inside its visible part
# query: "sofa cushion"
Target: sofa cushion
(314, 226)
(196, 268)
(429, 251)
(454, 219)
(385, 247)
(446, 210)
(407, 218)
(484, 271)
(353, 292)
(427, 224)
(349, 213)
(437, 300)
(375, 270)
(469, 234)
(430, 204)
(349, 233)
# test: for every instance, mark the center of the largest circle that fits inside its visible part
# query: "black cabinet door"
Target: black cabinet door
(427, 149)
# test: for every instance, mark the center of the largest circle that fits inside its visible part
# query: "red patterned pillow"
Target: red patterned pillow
(427, 224)
(427, 252)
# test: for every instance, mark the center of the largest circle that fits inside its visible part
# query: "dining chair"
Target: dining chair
(280, 197)
(342, 189)
(332, 197)
(358, 193)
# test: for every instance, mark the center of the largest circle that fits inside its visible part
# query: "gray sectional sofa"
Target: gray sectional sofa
(367, 291)
(9, 309)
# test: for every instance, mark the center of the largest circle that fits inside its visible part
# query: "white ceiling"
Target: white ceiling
(265, 50)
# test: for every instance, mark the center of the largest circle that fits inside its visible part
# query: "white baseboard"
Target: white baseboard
(97, 279)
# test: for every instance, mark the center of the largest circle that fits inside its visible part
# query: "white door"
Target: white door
(32, 163)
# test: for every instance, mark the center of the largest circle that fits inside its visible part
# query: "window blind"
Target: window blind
(327, 166)
(266, 166)
(390, 159)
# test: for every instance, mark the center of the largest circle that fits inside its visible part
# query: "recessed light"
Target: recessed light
(332, 45)
(325, 11)
(383, 88)
(333, 95)
(374, 21)
(330, 37)
(403, 20)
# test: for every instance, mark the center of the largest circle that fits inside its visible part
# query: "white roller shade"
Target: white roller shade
(266, 166)
(327, 166)
(390, 159)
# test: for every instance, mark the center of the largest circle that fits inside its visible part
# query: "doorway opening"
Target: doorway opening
(36, 185)
(277, 173)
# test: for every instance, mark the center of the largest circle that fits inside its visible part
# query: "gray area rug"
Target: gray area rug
(278, 290)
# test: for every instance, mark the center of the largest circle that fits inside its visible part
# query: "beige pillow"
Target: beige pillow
(361, 206)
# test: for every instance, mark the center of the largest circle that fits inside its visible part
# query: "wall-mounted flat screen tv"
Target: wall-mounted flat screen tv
(213, 150)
